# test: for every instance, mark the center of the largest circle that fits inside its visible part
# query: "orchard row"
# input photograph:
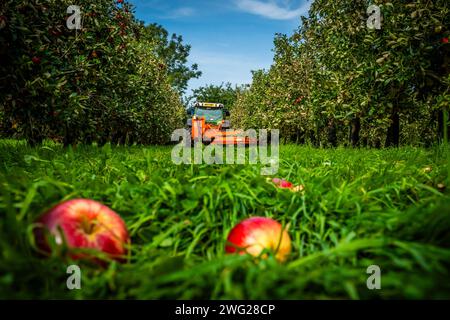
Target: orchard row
(337, 81)
(113, 80)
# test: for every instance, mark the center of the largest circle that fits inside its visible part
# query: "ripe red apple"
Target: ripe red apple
(281, 183)
(285, 184)
(444, 40)
(85, 224)
(299, 99)
(36, 60)
(255, 234)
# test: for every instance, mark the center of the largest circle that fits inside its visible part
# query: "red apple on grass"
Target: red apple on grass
(281, 183)
(284, 184)
(84, 224)
(256, 234)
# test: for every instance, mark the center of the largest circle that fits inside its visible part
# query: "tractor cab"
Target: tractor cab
(207, 124)
(213, 113)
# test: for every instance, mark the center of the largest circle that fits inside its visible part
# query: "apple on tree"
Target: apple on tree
(36, 60)
(84, 224)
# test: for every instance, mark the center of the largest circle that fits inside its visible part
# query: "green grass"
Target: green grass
(359, 208)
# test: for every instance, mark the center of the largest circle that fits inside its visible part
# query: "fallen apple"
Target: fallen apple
(281, 183)
(256, 234)
(285, 184)
(84, 224)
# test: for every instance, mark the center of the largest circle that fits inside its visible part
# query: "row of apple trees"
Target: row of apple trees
(108, 78)
(341, 80)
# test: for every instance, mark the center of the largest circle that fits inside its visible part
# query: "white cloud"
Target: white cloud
(276, 10)
(182, 12)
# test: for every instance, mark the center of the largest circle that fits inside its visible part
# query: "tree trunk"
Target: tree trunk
(314, 137)
(443, 131)
(446, 122)
(393, 134)
(355, 130)
(69, 137)
(300, 137)
(440, 120)
(332, 133)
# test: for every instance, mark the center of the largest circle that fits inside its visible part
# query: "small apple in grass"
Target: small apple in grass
(281, 183)
(84, 224)
(256, 234)
(284, 184)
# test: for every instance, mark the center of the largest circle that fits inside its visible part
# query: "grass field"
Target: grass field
(359, 208)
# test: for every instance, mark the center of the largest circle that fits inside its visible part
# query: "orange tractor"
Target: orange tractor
(208, 125)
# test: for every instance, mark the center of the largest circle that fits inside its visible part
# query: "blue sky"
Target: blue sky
(228, 38)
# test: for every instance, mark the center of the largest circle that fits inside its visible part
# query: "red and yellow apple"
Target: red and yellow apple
(284, 184)
(84, 224)
(254, 235)
(281, 183)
